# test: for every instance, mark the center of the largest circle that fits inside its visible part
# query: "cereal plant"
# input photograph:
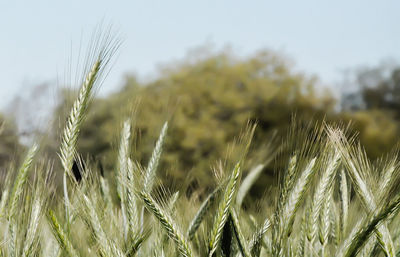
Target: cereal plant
(331, 199)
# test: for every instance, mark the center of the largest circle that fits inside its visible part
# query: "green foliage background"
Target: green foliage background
(9, 142)
(209, 100)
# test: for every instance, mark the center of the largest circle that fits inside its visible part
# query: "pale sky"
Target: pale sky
(323, 38)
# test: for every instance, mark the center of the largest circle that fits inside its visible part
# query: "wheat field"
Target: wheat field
(331, 200)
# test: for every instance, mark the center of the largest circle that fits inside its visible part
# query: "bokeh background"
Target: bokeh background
(208, 67)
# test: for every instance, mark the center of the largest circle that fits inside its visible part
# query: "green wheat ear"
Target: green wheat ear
(167, 224)
(201, 213)
(32, 232)
(20, 181)
(324, 186)
(62, 238)
(122, 176)
(358, 169)
(103, 49)
(150, 174)
(296, 196)
(363, 233)
(223, 210)
(247, 183)
(256, 241)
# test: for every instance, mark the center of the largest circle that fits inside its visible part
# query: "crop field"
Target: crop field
(329, 199)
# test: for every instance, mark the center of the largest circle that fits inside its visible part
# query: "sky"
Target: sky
(323, 38)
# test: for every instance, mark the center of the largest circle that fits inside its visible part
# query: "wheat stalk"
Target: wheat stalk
(239, 234)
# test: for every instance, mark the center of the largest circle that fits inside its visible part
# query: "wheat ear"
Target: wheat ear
(167, 223)
(344, 202)
(255, 243)
(72, 128)
(3, 202)
(201, 213)
(107, 247)
(296, 196)
(5, 195)
(20, 181)
(132, 209)
(154, 160)
(223, 210)
(247, 183)
(288, 181)
(61, 236)
(103, 51)
(362, 235)
(356, 165)
(322, 190)
(33, 226)
(12, 244)
(122, 175)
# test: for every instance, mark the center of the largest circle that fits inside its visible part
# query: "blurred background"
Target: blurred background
(208, 67)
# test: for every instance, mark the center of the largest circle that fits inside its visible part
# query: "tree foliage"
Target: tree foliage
(376, 112)
(9, 142)
(209, 100)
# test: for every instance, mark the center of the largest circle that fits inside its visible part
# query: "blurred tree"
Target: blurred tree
(385, 94)
(208, 101)
(9, 142)
(375, 108)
